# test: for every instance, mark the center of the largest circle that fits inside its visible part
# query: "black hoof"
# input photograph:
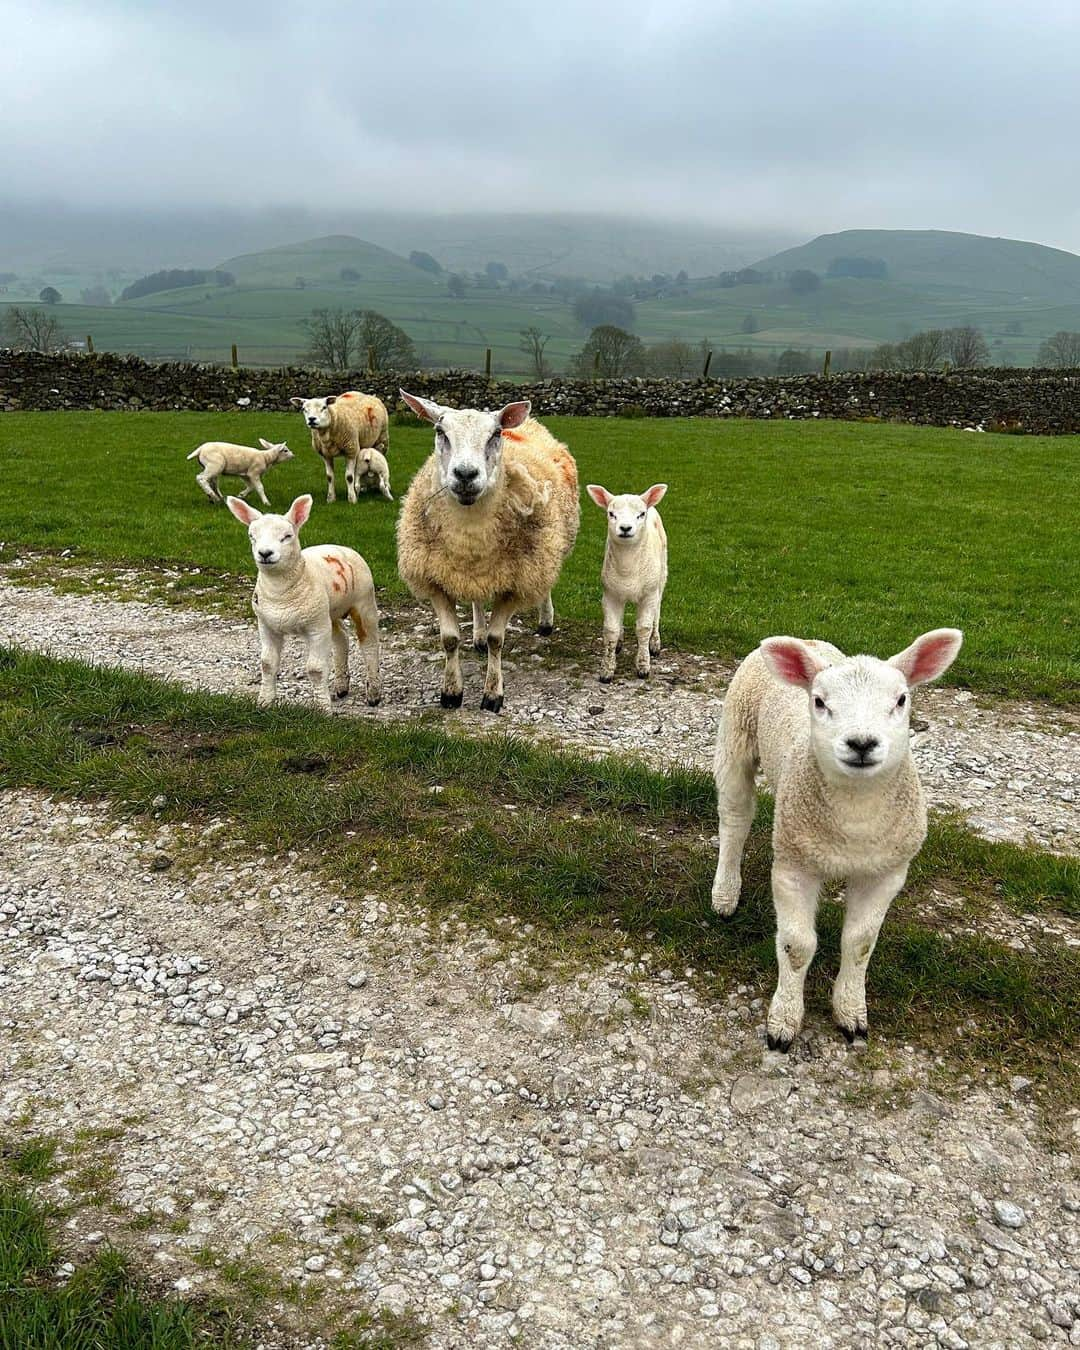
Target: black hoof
(491, 703)
(618, 646)
(450, 700)
(607, 679)
(643, 674)
(546, 629)
(341, 694)
(860, 1033)
(780, 1043)
(480, 646)
(374, 702)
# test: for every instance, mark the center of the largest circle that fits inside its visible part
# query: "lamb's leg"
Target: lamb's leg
(654, 637)
(341, 659)
(502, 612)
(269, 661)
(733, 770)
(208, 485)
(645, 623)
(331, 495)
(256, 483)
(450, 633)
(365, 618)
(614, 611)
(350, 480)
(384, 487)
(479, 627)
(546, 625)
(319, 660)
(795, 896)
(866, 902)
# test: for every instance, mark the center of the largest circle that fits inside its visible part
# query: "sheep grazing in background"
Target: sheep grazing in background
(309, 592)
(353, 426)
(634, 572)
(831, 735)
(239, 461)
(491, 515)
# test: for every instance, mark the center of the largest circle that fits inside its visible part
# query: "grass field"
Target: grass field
(863, 534)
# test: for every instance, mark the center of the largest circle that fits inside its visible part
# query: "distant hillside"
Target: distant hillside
(322, 261)
(931, 258)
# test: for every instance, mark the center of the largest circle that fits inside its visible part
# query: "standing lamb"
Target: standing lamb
(240, 461)
(310, 591)
(634, 572)
(491, 515)
(355, 426)
(831, 734)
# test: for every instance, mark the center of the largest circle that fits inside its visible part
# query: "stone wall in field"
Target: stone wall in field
(1014, 400)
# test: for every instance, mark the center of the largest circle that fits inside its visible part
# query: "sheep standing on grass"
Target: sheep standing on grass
(831, 734)
(491, 515)
(354, 426)
(634, 572)
(239, 461)
(310, 591)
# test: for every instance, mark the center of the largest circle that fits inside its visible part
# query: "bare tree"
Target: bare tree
(383, 345)
(533, 342)
(33, 330)
(882, 358)
(675, 359)
(609, 353)
(966, 348)
(1062, 350)
(921, 351)
(332, 339)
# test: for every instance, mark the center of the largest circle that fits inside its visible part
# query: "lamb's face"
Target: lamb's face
(278, 452)
(315, 411)
(468, 444)
(275, 540)
(626, 517)
(859, 714)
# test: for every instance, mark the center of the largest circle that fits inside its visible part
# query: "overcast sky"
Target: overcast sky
(802, 114)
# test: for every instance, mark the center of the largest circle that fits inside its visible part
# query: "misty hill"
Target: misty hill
(322, 262)
(933, 258)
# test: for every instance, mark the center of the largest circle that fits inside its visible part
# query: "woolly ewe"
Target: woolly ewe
(309, 592)
(831, 735)
(239, 461)
(355, 426)
(491, 515)
(634, 572)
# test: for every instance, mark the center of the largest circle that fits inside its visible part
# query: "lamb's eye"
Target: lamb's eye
(901, 700)
(819, 703)
(640, 515)
(611, 515)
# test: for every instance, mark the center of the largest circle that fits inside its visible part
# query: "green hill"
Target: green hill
(320, 261)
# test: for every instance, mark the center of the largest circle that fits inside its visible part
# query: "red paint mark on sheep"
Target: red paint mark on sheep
(339, 568)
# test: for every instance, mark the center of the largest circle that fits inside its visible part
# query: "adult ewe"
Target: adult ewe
(831, 733)
(490, 516)
(353, 426)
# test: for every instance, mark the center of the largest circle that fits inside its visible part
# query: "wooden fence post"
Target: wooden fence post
(234, 357)
(371, 360)
(708, 363)
(487, 363)
(89, 344)
(828, 363)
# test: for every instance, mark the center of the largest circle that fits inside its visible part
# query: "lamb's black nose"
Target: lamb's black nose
(624, 530)
(862, 745)
(265, 554)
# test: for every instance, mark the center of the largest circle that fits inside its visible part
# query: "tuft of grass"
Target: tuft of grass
(33, 1159)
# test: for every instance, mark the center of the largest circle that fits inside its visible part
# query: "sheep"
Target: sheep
(356, 426)
(241, 461)
(831, 734)
(491, 514)
(309, 591)
(634, 573)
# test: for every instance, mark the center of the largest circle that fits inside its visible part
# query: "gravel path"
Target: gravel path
(361, 1101)
(1013, 769)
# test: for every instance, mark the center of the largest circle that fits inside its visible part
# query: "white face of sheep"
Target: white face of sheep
(860, 706)
(281, 451)
(315, 411)
(628, 513)
(275, 540)
(468, 443)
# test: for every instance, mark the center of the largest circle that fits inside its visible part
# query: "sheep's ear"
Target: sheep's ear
(298, 402)
(654, 494)
(244, 514)
(513, 414)
(300, 510)
(422, 407)
(792, 660)
(330, 400)
(928, 656)
(267, 445)
(600, 495)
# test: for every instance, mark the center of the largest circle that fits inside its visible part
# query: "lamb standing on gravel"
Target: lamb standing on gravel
(831, 734)
(355, 426)
(634, 572)
(240, 461)
(310, 591)
(491, 514)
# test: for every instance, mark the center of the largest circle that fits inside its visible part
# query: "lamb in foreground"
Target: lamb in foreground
(634, 572)
(491, 515)
(831, 735)
(353, 426)
(239, 461)
(310, 592)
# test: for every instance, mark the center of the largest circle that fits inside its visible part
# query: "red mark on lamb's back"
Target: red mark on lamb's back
(339, 582)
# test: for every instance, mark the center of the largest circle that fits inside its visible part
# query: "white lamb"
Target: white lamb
(355, 426)
(239, 461)
(310, 591)
(831, 735)
(634, 573)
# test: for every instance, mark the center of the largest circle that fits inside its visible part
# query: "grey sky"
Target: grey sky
(800, 114)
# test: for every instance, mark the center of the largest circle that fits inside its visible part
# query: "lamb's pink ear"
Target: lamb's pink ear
(654, 494)
(600, 495)
(300, 510)
(513, 414)
(792, 660)
(928, 656)
(244, 514)
(422, 407)
(267, 445)
(298, 402)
